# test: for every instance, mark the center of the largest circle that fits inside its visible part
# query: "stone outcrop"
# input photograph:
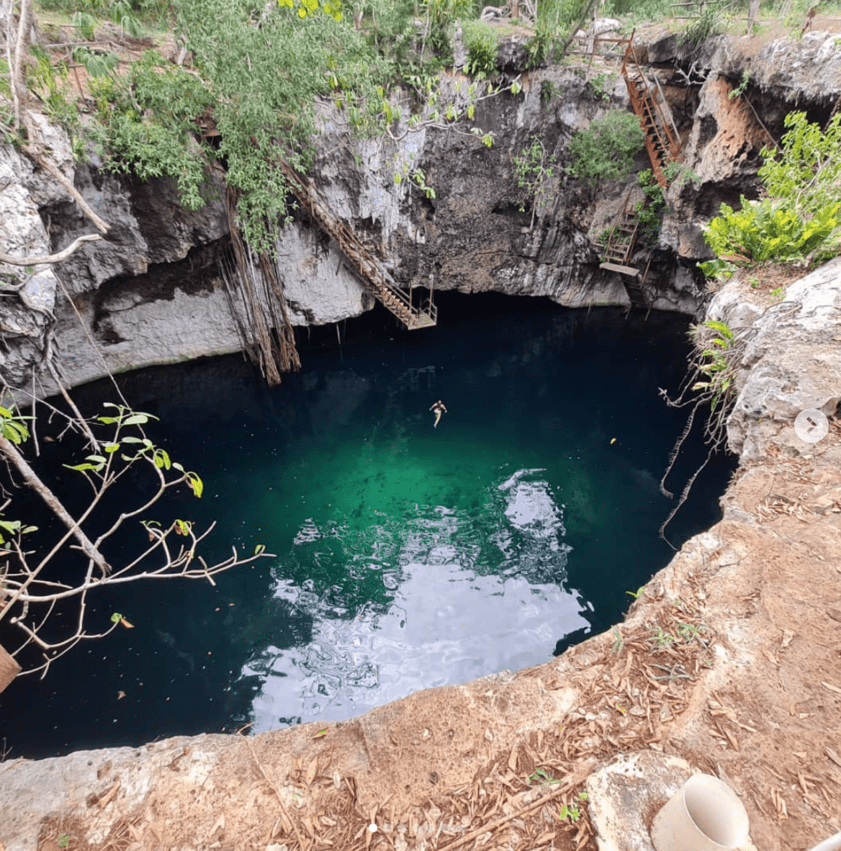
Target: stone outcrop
(151, 293)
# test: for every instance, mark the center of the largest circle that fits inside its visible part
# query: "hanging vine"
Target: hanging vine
(257, 304)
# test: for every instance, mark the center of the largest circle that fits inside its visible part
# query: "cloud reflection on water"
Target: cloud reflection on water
(446, 619)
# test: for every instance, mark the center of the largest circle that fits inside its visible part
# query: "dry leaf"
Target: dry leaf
(512, 760)
(109, 795)
(312, 769)
(285, 822)
(833, 755)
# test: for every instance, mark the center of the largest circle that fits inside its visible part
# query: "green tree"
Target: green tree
(607, 148)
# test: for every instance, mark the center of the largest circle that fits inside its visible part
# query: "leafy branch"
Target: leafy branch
(35, 582)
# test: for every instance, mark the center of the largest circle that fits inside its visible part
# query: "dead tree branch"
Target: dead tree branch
(32, 594)
(50, 258)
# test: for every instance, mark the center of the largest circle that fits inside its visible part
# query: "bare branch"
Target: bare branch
(43, 160)
(18, 85)
(31, 478)
(50, 258)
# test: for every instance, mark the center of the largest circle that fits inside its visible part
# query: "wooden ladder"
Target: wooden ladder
(663, 147)
(369, 269)
(661, 139)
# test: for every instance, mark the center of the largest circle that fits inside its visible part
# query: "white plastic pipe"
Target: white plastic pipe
(704, 815)
(831, 844)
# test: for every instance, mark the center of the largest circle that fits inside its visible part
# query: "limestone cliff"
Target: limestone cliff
(151, 293)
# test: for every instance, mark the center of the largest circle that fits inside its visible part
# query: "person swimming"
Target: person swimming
(438, 409)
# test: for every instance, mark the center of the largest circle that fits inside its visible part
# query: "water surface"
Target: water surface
(406, 556)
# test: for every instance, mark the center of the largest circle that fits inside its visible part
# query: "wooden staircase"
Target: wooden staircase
(663, 147)
(619, 248)
(369, 269)
(661, 139)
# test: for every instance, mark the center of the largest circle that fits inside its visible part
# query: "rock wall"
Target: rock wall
(151, 293)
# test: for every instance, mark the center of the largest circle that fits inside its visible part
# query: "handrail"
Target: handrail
(643, 103)
(374, 276)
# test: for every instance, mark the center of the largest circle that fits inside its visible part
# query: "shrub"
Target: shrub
(765, 230)
(650, 211)
(482, 44)
(803, 215)
(607, 148)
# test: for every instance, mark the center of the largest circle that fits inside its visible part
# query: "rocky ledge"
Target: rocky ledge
(729, 659)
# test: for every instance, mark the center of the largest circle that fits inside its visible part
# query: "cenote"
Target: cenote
(406, 556)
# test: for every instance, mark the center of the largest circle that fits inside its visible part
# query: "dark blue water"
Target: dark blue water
(406, 556)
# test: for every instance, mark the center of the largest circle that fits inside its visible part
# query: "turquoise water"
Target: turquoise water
(405, 556)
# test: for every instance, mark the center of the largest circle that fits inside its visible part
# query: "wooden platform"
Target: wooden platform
(622, 270)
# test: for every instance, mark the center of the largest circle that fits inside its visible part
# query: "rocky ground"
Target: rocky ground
(730, 659)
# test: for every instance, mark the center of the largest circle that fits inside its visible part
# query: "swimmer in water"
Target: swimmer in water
(439, 409)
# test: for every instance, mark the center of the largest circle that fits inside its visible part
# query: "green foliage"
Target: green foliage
(535, 170)
(765, 231)
(598, 86)
(482, 44)
(439, 16)
(558, 17)
(145, 122)
(548, 91)
(607, 148)
(263, 81)
(12, 426)
(707, 25)
(650, 211)
(571, 812)
(802, 216)
(86, 24)
(742, 87)
(544, 777)
(678, 174)
(97, 63)
(807, 171)
(716, 366)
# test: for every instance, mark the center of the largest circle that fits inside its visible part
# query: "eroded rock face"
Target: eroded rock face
(152, 292)
(791, 361)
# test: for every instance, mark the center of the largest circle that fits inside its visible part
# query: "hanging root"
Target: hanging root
(676, 450)
(258, 308)
(684, 495)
